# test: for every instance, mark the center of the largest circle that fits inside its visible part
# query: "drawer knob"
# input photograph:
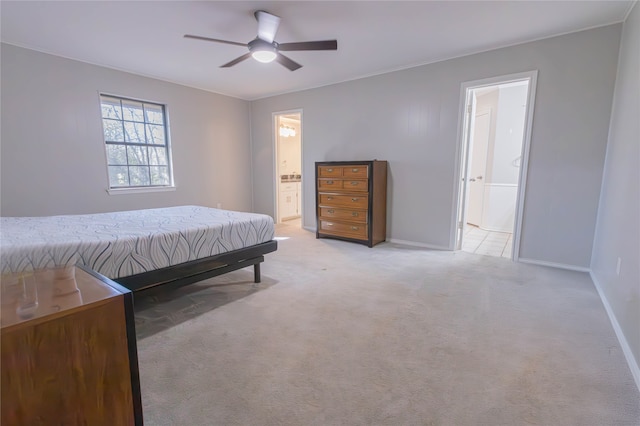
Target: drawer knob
(354, 183)
(331, 211)
(354, 199)
(329, 170)
(329, 198)
(329, 224)
(354, 170)
(354, 228)
(329, 182)
(354, 214)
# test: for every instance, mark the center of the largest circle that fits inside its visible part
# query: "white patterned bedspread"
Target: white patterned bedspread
(120, 244)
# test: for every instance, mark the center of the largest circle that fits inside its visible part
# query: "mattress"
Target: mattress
(125, 243)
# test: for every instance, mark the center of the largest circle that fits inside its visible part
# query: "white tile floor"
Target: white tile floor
(490, 243)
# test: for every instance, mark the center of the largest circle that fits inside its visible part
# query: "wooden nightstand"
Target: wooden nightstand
(72, 359)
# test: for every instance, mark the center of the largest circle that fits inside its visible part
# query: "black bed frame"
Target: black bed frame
(197, 270)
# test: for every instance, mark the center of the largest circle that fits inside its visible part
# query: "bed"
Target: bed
(143, 250)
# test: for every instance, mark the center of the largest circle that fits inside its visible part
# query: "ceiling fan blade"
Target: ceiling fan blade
(215, 39)
(310, 45)
(267, 25)
(236, 60)
(292, 65)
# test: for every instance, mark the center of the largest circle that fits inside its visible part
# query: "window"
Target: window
(137, 143)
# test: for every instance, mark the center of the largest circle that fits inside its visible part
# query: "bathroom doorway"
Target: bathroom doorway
(494, 147)
(288, 167)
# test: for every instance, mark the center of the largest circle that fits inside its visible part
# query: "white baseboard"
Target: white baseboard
(626, 349)
(554, 265)
(416, 244)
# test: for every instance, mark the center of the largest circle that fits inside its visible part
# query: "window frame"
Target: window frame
(170, 186)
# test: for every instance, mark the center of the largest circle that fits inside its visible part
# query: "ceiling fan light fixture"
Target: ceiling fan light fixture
(264, 56)
(262, 51)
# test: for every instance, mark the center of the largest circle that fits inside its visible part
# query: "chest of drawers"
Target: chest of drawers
(351, 201)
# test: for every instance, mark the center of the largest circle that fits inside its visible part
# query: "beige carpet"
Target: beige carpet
(341, 334)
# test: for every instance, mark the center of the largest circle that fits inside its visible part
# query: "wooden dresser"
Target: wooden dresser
(69, 352)
(351, 201)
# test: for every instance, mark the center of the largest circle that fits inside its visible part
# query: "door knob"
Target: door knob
(472, 180)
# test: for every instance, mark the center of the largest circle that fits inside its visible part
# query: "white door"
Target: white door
(478, 166)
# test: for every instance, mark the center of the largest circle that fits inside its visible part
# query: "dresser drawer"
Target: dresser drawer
(346, 229)
(340, 200)
(288, 187)
(329, 185)
(358, 185)
(355, 172)
(329, 171)
(355, 185)
(344, 214)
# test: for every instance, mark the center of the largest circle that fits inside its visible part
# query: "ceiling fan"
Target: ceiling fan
(263, 48)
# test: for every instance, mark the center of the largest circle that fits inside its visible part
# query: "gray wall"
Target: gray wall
(410, 118)
(618, 227)
(53, 159)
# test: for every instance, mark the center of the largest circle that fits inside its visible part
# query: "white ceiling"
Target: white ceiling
(146, 37)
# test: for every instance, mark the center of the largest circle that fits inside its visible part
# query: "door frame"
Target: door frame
(465, 122)
(276, 176)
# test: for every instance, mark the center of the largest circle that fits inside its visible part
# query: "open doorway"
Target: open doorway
(288, 167)
(495, 147)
